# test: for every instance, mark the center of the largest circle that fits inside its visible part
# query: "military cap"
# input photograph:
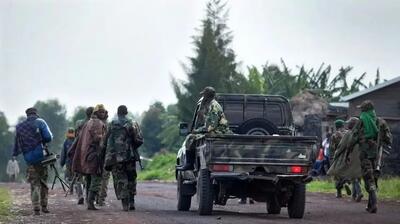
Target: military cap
(71, 130)
(339, 123)
(366, 105)
(99, 107)
(31, 111)
(208, 92)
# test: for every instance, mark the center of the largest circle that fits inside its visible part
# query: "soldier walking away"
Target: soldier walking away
(88, 153)
(31, 137)
(105, 177)
(12, 169)
(333, 145)
(124, 137)
(371, 133)
(65, 160)
(78, 181)
(212, 120)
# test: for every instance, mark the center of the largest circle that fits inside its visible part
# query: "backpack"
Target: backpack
(119, 143)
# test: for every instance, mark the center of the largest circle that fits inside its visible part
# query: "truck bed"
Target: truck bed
(263, 150)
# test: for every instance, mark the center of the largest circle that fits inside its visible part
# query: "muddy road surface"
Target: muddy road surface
(156, 203)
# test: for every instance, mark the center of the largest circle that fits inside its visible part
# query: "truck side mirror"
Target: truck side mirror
(183, 129)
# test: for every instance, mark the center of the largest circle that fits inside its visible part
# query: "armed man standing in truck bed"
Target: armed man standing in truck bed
(213, 119)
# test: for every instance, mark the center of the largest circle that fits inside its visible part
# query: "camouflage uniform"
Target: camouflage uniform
(105, 177)
(214, 119)
(333, 146)
(368, 141)
(123, 136)
(37, 175)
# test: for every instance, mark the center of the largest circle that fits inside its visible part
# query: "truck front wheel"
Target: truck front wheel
(184, 201)
(204, 192)
(273, 206)
(297, 202)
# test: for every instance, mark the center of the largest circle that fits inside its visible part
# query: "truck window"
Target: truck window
(274, 113)
(254, 110)
(233, 112)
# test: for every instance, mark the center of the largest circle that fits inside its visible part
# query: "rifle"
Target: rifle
(137, 156)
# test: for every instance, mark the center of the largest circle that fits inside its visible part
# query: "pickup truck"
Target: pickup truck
(262, 159)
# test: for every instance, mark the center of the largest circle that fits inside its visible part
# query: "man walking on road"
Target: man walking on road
(13, 169)
(123, 138)
(31, 137)
(88, 153)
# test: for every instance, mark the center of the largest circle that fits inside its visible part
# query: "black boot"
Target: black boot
(132, 203)
(90, 200)
(189, 163)
(372, 200)
(338, 193)
(125, 204)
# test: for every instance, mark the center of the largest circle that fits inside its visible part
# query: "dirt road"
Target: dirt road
(156, 203)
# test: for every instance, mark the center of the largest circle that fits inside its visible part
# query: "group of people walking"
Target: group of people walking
(356, 152)
(90, 153)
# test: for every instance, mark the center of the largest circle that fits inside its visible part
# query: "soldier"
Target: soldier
(31, 137)
(101, 197)
(66, 160)
(213, 121)
(79, 181)
(123, 138)
(370, 133)
(88, 153)
(333, 145)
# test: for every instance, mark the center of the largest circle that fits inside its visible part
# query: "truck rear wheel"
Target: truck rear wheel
(297, 202)
(273, 206)
(204, 192)
(184, 201)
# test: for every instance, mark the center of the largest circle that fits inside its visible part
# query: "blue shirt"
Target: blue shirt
(30, 134)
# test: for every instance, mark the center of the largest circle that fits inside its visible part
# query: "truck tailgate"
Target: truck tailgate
(254, 149)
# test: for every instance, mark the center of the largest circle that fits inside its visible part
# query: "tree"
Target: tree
(213, 64)
(6, 144)
(79, 114)
(169, 135)
(151, 126)
(54, 114)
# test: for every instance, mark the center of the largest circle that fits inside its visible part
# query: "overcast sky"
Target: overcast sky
(125, 52)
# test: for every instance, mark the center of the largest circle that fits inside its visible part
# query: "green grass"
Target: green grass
(389, 188)
(162, 167)
(5, 203)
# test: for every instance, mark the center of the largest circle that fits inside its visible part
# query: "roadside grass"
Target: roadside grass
(5, 203)
(389, 187)
(162, 167)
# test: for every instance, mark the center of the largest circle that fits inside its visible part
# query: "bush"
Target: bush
(5, 203)
(389, 187)
(162, 167)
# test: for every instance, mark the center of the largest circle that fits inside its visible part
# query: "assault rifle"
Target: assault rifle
(137, 156)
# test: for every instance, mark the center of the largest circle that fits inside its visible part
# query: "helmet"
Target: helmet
(339, 123)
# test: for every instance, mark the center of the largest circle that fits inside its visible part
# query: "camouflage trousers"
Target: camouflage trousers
(104, 186)
(124, 178)
(93, 183)
(37, 175)
(367, 168)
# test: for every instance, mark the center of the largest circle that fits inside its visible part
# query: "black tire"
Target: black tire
(184, 201)
(273, 206)
(205, 193)
(257, 126)
(297, 202)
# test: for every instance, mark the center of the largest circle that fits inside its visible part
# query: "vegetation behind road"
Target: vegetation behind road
(5, 203)
(389, 188)
(162, 167)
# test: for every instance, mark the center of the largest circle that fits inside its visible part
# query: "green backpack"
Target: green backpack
(119, 143)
